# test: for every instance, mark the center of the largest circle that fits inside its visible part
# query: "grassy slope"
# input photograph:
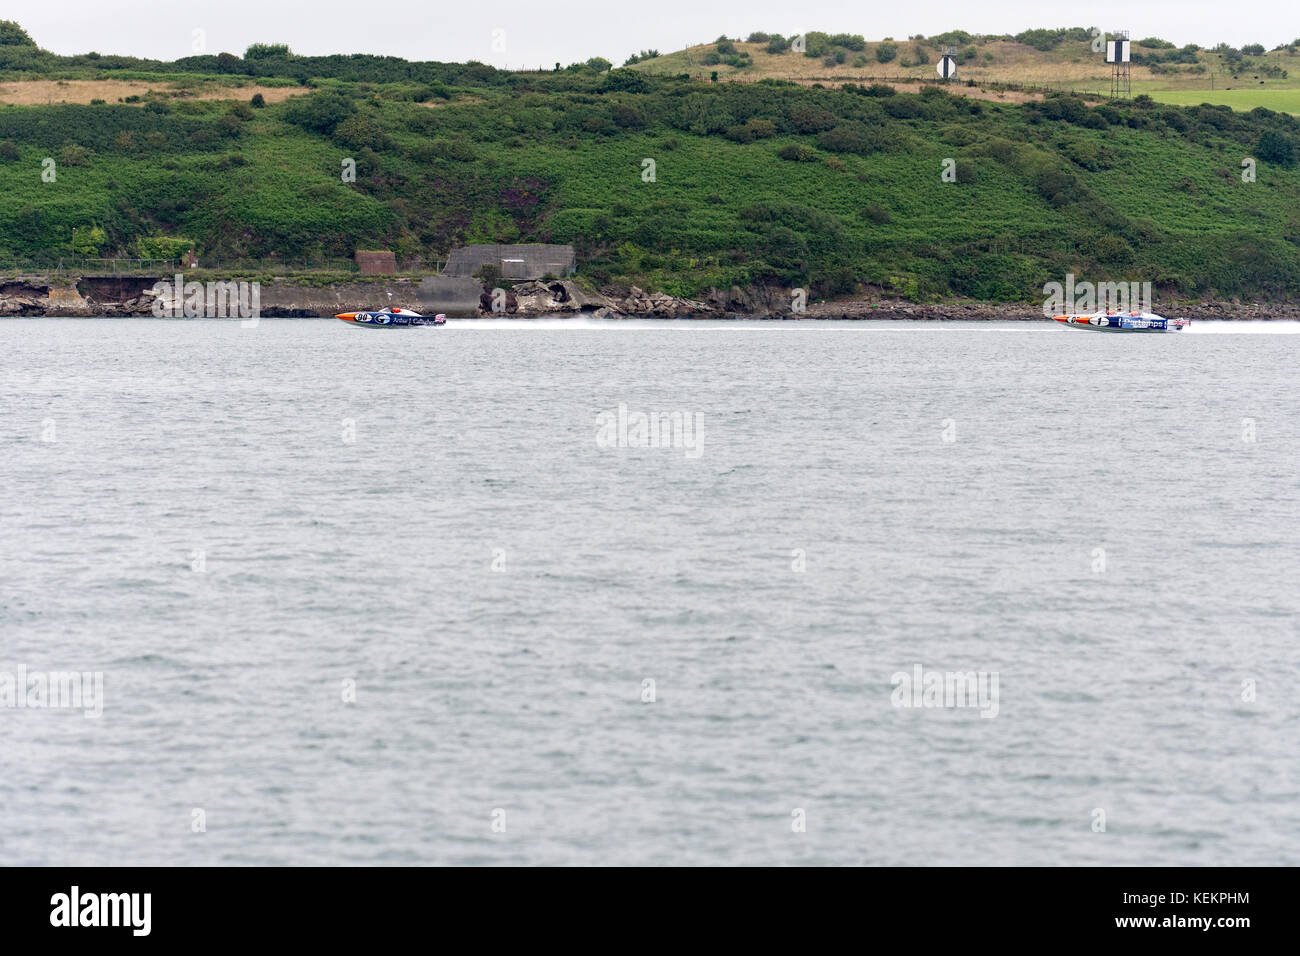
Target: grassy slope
(543, 160)
(1279, 100)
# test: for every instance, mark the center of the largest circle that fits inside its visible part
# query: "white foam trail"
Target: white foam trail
(583, 323)
(753, 325)
(1260, 327)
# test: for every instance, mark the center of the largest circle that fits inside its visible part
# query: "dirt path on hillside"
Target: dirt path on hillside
(956, 89)
(47, 92)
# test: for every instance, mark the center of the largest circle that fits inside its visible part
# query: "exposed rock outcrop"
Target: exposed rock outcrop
(22, 297)
(559, 296)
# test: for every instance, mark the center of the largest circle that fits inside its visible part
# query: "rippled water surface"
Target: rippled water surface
(232, 524)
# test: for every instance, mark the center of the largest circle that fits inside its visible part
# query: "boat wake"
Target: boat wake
(1261, 327)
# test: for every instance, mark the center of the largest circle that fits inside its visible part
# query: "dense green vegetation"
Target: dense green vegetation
(766, 182)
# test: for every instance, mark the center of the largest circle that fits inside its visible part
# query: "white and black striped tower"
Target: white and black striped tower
(1118, 54)
(947, 67)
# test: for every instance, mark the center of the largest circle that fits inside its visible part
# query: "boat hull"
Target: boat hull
(392, 320)
(1126, 322)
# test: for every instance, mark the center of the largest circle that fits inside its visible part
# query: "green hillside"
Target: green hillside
(754, 183)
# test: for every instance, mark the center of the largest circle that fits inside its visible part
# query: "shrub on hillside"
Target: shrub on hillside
(886, 52)
(806, 118)
(1065, 109)
(1041, 39)
(853, 137)
(850, 41)
(358, 132)
(319, 112)
(1110, 248)
(751, 130)
(1058, 185)
(267, 51)
(904, 107)
(74, 155)
(876, 213)
(951, 38)
(162, 247)
(798, 153)
(1275, 147)
(432, 91)
(703, 114)
(457, 150)
(628, 117)
(816, 44)
(625, 81)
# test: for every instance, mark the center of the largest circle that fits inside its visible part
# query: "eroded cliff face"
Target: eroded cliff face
(38, 296)
(23, 297)
(162, 296)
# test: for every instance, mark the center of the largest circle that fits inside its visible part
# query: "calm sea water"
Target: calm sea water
(359, 597)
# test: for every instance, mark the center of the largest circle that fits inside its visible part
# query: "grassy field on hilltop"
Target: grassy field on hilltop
(1282, 101)
(1060, 60)
(772, 183)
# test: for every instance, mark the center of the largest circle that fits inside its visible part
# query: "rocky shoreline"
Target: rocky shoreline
(123, 296)
(538, 298)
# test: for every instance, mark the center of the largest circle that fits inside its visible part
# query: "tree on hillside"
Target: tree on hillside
(1275, 147)
(1041, 39)
(266, 51)
(11, 34)
(88, 241)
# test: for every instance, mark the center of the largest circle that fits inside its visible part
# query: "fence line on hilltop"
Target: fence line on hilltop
(70, 266)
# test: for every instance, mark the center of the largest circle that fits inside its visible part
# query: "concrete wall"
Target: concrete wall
(432, 294)
(528, 261)
(455, 295)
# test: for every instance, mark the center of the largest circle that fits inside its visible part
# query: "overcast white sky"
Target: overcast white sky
(539, 34)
